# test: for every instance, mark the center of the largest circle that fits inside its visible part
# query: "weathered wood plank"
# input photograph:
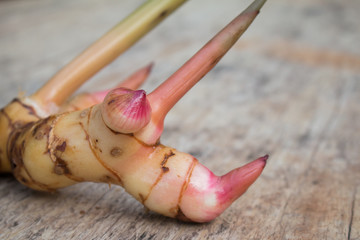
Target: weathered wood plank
(290, 88)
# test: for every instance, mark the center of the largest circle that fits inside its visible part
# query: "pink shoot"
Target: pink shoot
(163, 98)
(85, 100)
(117, 140)
(104, 51)
(208, 195)
(134, 81)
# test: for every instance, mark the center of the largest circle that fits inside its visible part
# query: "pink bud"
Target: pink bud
(125, 110)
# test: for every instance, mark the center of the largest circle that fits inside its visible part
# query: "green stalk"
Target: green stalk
(104, 51)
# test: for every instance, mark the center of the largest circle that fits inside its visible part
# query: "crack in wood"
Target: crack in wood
(322, 137)
(352, 211)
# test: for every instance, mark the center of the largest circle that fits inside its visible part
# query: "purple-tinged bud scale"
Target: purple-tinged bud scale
(125, 110)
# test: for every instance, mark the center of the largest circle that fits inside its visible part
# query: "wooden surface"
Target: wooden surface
(289, 88)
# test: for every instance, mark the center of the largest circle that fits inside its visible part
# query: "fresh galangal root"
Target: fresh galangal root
(113, 136)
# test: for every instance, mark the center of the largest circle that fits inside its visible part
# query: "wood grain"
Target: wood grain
(290, 88)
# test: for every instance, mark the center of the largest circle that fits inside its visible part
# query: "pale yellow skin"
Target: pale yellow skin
(61, 150)
(46, 152)
(47, 157)
(14, 116)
